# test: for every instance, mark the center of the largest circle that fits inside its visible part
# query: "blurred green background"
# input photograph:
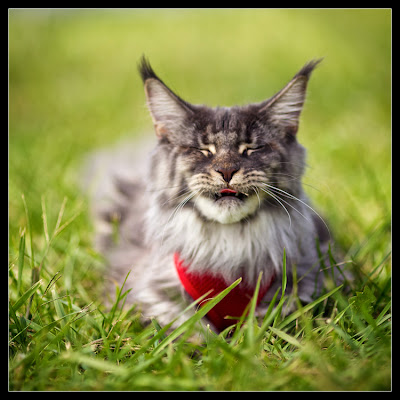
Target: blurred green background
(74, 87)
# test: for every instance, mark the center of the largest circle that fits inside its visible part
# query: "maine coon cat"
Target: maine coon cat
(220, 196)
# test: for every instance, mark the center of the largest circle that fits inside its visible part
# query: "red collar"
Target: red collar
(233, 304)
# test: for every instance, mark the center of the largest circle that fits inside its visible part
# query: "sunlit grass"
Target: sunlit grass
(73, 87)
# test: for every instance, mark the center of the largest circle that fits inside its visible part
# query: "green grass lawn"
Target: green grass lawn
(74, 88)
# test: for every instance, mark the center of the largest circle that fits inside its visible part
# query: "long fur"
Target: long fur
(168, 202)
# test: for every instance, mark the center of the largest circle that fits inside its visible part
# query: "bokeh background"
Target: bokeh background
(74, 88)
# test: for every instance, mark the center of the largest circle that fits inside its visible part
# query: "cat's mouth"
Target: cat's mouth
(227, 205)
(229, 194)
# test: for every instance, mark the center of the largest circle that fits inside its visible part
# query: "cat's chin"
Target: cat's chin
(227, 210)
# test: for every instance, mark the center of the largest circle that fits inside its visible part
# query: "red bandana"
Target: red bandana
(233, 304)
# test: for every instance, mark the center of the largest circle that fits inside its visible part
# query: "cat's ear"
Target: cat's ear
(285, 107)
(167, 110)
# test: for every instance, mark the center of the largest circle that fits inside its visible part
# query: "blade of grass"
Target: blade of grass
(196, 317)
(95, 363)
(384, 291)
(21, 331)
(21, 259)
(30, 292)
(271, 306)
(269, 316)
(161, 333)
(57, 304)
(248, 315)
(158, 328)
(28, 227)
(383, 312)
(119, 297)
(35, 274)
(296, 314)
(288, 338)
(250, 318)
(14, 317)
(53, 280)
(44, 218)
(284, 283)
(59, 217)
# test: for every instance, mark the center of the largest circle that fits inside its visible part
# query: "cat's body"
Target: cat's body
(222, 189)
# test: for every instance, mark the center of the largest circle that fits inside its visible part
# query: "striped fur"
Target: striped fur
(176, 203)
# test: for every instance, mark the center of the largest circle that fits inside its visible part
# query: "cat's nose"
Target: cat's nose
(227, 173)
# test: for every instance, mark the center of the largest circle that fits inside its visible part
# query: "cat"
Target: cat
(220, 196)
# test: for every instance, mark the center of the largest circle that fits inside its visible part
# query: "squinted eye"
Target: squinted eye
(248, 149)
(206, 152)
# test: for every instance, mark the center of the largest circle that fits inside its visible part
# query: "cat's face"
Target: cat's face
(227, 163)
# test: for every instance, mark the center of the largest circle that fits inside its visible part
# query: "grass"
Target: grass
(73, 87)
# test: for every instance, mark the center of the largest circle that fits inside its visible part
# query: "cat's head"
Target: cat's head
(227, 163)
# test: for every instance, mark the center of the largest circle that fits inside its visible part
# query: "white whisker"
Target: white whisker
(176, 210)
(199, 192)
(182, 204)
(256, 192)
(276, 198)
(284, 193)
(185, 190)
(292, 206)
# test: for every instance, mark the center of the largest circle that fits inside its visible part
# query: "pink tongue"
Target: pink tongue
(228, 191)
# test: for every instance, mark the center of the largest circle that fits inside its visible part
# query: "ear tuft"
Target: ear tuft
(145, 69)
(308, 68)
(285, 107)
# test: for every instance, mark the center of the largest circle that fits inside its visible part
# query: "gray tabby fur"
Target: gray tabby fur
(169, 200)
